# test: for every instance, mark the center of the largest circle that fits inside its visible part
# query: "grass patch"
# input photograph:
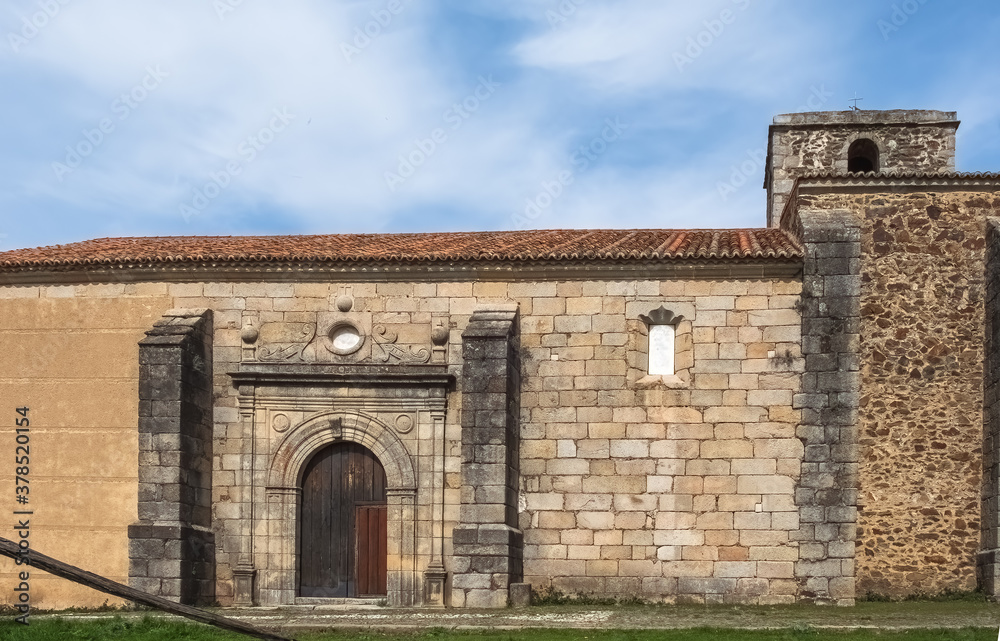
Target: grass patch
(115, 628)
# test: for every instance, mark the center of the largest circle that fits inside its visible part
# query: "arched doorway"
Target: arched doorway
(342, 529)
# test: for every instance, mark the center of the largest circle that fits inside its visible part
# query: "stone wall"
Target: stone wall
(673, 492)
(989, 555)
(171, 546)
(921, 392)
(488, 546)
(827, 490)
(682, 491)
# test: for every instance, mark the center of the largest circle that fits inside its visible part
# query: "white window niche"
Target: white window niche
(663, 351)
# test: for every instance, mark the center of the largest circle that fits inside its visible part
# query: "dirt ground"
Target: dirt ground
(885, 616)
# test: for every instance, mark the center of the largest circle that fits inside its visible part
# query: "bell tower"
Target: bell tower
(839, 142)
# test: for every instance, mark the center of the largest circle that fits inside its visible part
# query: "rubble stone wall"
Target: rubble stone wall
(921, 427)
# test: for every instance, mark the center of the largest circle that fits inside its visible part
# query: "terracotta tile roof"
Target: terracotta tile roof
(547, 245)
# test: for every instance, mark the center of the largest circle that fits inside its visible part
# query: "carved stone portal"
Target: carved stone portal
(346, 337)
(293, 410)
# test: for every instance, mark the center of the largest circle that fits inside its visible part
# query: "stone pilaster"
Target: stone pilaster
(171, 546)
(828, 487)
(487, 542)
(988, 560)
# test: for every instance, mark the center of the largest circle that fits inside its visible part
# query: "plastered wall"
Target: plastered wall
(70, 355)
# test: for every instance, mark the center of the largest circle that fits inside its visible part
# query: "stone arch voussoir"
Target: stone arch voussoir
(840, 164)
(319, 431)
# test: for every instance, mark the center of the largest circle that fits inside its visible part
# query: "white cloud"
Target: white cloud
(734, 45)
(225, 77)
(354, 115)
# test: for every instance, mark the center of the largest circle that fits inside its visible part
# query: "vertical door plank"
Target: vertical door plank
(383, 548)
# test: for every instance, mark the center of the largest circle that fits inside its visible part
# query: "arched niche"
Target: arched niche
(863, 157)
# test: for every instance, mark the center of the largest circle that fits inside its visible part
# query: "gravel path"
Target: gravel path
(866, 615)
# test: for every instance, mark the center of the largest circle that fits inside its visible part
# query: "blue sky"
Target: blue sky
(232, 117)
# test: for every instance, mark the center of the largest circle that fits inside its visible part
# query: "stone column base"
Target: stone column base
(175, 562)
(435, 579)
(988, 572)
(488, 559)
(243, 590)
(520, 595)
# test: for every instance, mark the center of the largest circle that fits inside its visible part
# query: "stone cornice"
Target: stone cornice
(365, 375)
(380, 272)
(865, 118)
(896, 183)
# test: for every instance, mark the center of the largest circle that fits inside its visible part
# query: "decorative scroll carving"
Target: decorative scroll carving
(284, 341)
(335, 340)
(384, 348)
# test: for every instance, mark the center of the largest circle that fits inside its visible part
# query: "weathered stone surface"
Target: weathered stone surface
(172, 542)
(828, 377)
(489, 545)
(922, 301)
(988, 561)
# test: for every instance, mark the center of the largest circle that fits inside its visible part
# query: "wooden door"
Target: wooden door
(370, 549)
(336, 481)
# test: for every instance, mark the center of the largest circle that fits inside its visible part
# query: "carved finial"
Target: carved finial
(345, 301)
(660, 316)
(439, 335)
(249, 333)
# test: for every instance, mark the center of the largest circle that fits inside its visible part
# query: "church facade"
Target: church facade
(800, 412)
